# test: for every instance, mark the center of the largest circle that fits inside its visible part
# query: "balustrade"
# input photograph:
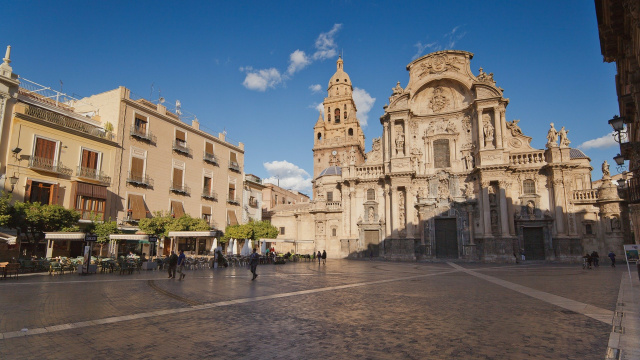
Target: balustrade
(535, 157)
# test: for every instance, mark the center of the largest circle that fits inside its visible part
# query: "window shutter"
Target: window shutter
(177, 178)
(54, 195)
(208, 148)
(206, 210)
(138, 210)
(233, 157)
(180, 135)
(137, 166)
(177, 209)
(232, 217)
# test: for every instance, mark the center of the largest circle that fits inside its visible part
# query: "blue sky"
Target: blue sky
(252, 68)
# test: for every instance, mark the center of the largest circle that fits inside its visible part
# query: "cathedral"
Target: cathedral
(449, 178)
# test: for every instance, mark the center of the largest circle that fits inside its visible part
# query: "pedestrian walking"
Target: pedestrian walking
(612, 256)
(319, 256)
(595, 258)
(522, 254)
(181, 263)
(370, 255)
(173, 262)
(324, 257)
(253, 263)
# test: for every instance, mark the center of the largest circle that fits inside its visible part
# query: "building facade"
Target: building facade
(619, 29)
(450, 178)
(252, 198)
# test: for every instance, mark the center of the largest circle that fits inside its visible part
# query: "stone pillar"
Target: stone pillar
(504, 215)
(479, 129)
(558, 199)
(410, 211)
(486, 209)
(498, 127)
(471, 225)
(387, 211)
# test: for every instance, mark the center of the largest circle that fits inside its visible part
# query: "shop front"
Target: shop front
(67, 244)
(127, 244)
(193, 242)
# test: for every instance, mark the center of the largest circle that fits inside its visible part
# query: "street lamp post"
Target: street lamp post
(620, 135)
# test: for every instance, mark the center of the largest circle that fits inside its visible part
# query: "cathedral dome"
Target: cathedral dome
(331, 170)
(340, 77)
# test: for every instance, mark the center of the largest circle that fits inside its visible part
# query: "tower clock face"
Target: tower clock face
(334, 152)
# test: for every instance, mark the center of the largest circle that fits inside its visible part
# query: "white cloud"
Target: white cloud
(450, 40)
(298, 60)
(364, 103)
(315, 88)
(599, 143)
(326, 46)
(320, 108)
(260, 80)
(288, 175)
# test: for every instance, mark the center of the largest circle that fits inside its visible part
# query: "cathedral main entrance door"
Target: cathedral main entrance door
(533, 243)
(446, 239)
(371, 242)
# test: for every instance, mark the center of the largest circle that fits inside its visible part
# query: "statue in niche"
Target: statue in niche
(416, 159)
(552, 137)
(487, 129)
(443, 189)
(468, 190)
(514, 128)
(371, 215)
(352, 156)
(564, 141)
(439, 101)
(398, 89)
(605, 169)
(531, 209)
(451, 127)
(468, 161)
(399, 140)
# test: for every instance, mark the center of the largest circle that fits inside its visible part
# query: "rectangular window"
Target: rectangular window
(371, 194)
(441, 154)
(181, 138)
(141, 125)
(208, 148)
(329, 195)
(231, 218)
(206, 213)
(44, 193)
(88, 206)
(176, 209)
(232, 191)
(529, 186)
(136, 208)
(45, 149)
(177, 178)
(206, 188)
(281, 230)
(89, 159)
(137, 168)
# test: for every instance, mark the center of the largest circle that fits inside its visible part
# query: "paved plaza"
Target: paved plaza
(344, 309)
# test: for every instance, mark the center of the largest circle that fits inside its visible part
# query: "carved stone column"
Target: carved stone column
(504, 214)
(479, 129)
(498, 127)
(411, 215)
(558, 199)
(486, 209)
(387, 211)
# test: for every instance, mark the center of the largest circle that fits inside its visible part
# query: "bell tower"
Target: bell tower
(338, 137)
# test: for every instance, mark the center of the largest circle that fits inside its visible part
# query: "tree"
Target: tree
(5, 205)
(263, 230)
(237, 232)
(188, 223)
(103, 230)
(157, 225)
(33, 219)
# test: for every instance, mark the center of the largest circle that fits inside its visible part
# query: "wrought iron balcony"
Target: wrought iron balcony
(180, 189)
(233, 201)
(181, 147)
(68, 122)
(209, 194)
(253, 202)
(140, 180)
(44, 164)
(234, 166)
(210, 158)
(142, 134)
(93, 174)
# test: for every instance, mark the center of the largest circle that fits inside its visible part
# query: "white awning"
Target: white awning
(192, 233)
(64, 236)
(128, 237)
(11, 240)
(287, 241)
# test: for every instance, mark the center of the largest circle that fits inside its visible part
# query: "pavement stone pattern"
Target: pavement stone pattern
(344, 309)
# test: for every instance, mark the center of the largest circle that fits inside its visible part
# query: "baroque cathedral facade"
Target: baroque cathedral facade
(449, 178)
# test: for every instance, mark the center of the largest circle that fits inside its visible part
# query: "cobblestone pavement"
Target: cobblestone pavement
(345, 309)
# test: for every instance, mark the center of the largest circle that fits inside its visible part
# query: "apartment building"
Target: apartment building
(165, 164)
(252, 198)
(274, 195)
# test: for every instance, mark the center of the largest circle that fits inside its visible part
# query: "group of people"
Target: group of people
(322, 257)
(593, 259)
(177, 261)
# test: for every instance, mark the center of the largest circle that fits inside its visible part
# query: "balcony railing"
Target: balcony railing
(142, 134)
(209, 194)
(369, 171)
(181, 147)
(634, 190)
(180, 189)
(233, 201)
(210, 158)
(253, 203)
(93, 174)
(40, 163)
(234, 166)
(528, 158)
(140, 180)
(68, 122)
(589, 195)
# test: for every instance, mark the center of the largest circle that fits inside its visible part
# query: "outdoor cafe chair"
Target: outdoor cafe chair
(12, 268)
(54, 267)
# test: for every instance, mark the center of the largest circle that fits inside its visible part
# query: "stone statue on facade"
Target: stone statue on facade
(400, 143)
(398, 89)
(564, 141)
(401, 209)
(605, 169)
(487, 129)
(371, 215)
(552, 137)
(514, 128)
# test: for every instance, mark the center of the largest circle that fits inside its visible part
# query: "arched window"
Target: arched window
(371, 194)
(329, 114)
(441, 154)
(334, 232)
(319, 136)
(350, 132)
(529, 187)
(337, 115)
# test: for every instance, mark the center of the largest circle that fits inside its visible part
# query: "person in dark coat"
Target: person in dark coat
(319, 256)
(595, 258)
(173, 262)
(324, 257)
(253, 263)
(612, 256)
